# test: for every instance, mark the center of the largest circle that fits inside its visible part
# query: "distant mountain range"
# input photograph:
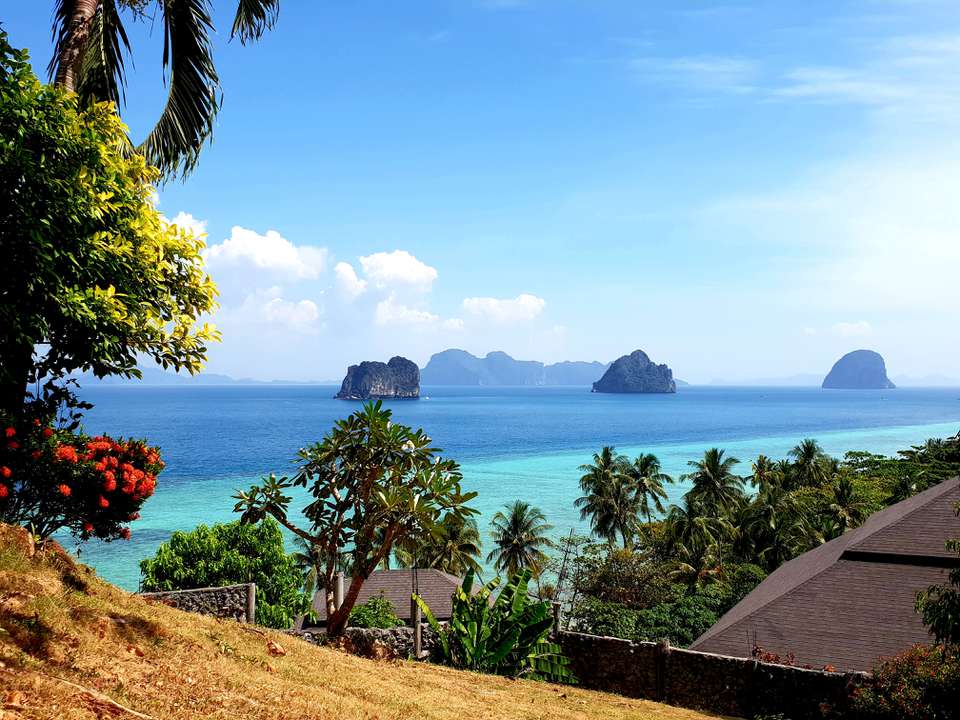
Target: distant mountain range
(154, 376)
(458, 367)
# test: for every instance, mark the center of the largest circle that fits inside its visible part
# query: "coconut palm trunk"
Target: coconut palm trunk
(75, 35)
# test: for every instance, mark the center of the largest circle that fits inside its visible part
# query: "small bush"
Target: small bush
(922, 683)
(377, 612)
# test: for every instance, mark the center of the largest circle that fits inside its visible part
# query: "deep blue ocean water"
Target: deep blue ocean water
(512, 442)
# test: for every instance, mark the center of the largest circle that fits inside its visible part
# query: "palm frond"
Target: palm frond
(254, 18)
(187, 120)
(102, 70)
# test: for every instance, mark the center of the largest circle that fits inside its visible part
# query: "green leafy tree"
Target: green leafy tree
(94, 277)
(520, 539)
(91, 48)
(373, 483)
(648, 484)
(508, 636)
(922, 683)
(228, 554)
(846, 508)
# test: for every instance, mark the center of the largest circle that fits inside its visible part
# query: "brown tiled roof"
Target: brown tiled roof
(850, 601)
(436, 588)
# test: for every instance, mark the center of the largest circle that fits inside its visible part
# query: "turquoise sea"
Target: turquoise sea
(512, 442)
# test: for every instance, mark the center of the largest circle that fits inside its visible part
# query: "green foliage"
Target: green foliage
(227, 554)
(453, 546)
(374, 483)
(940, 604)
(93, 273)
(509, 637)
(920, 684)
(377, 612)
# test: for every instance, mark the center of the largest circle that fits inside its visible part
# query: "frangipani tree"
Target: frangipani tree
(374, 484)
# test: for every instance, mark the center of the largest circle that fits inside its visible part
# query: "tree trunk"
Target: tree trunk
(71, 51)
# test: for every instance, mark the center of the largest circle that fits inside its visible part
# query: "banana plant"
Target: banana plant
(508, 636)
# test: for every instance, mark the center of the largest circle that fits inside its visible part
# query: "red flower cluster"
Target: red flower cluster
(93, 486)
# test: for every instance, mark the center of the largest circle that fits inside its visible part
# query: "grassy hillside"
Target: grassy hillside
(73, 646)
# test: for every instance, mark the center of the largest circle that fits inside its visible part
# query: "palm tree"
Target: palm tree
(693, 539)
(453, 547)
(847, 509)
(520, 537)
(90, 46)
(715, 486)
(765, 473)
(308, 558)
(776, 524)
(648, 480)
(609, 500)
(810, 463)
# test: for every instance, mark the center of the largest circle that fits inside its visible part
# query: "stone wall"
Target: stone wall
(234, 602)
(379, 643)
(716, 683)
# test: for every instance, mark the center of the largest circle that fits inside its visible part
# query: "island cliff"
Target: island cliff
(859, 370)
(397, 379)
(635, 373)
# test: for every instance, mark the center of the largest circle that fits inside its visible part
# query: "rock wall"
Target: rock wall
(715, 683)
(233, 602)
(379, 643)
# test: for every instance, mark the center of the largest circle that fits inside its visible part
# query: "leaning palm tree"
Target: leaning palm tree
(715, 486)
(91, 44)
(811, 465)
(520, 538)
(648, 480)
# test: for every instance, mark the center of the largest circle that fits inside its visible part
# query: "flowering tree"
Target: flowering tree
(94, 278)
(374, 483)
(59, 480)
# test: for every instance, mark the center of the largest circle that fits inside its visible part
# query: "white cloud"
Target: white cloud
(391, 312)
(702, 72)
(852, 329)
(347, 281)
(387, 269)
(188, 221)
(453, 324)
(271, 252)
(268, 306)
(522, 308)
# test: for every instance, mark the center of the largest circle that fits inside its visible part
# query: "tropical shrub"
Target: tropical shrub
(922, 683)
(228, 554)
(377, 612)
(374, 484)
(509, 637)
(55, 479)
(94, 277)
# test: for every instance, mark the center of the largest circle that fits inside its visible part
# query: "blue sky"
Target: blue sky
(743, 190)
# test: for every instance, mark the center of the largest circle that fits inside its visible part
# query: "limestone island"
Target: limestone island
(635, 373)
(859, 370)
(398, 379)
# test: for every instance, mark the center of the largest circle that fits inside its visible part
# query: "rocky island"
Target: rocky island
(635, 373)
(398, 379)
(859, 370)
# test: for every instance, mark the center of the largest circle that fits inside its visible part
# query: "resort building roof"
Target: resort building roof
(850, 601)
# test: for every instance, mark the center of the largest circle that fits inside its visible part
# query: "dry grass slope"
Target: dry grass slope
(73, 646)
